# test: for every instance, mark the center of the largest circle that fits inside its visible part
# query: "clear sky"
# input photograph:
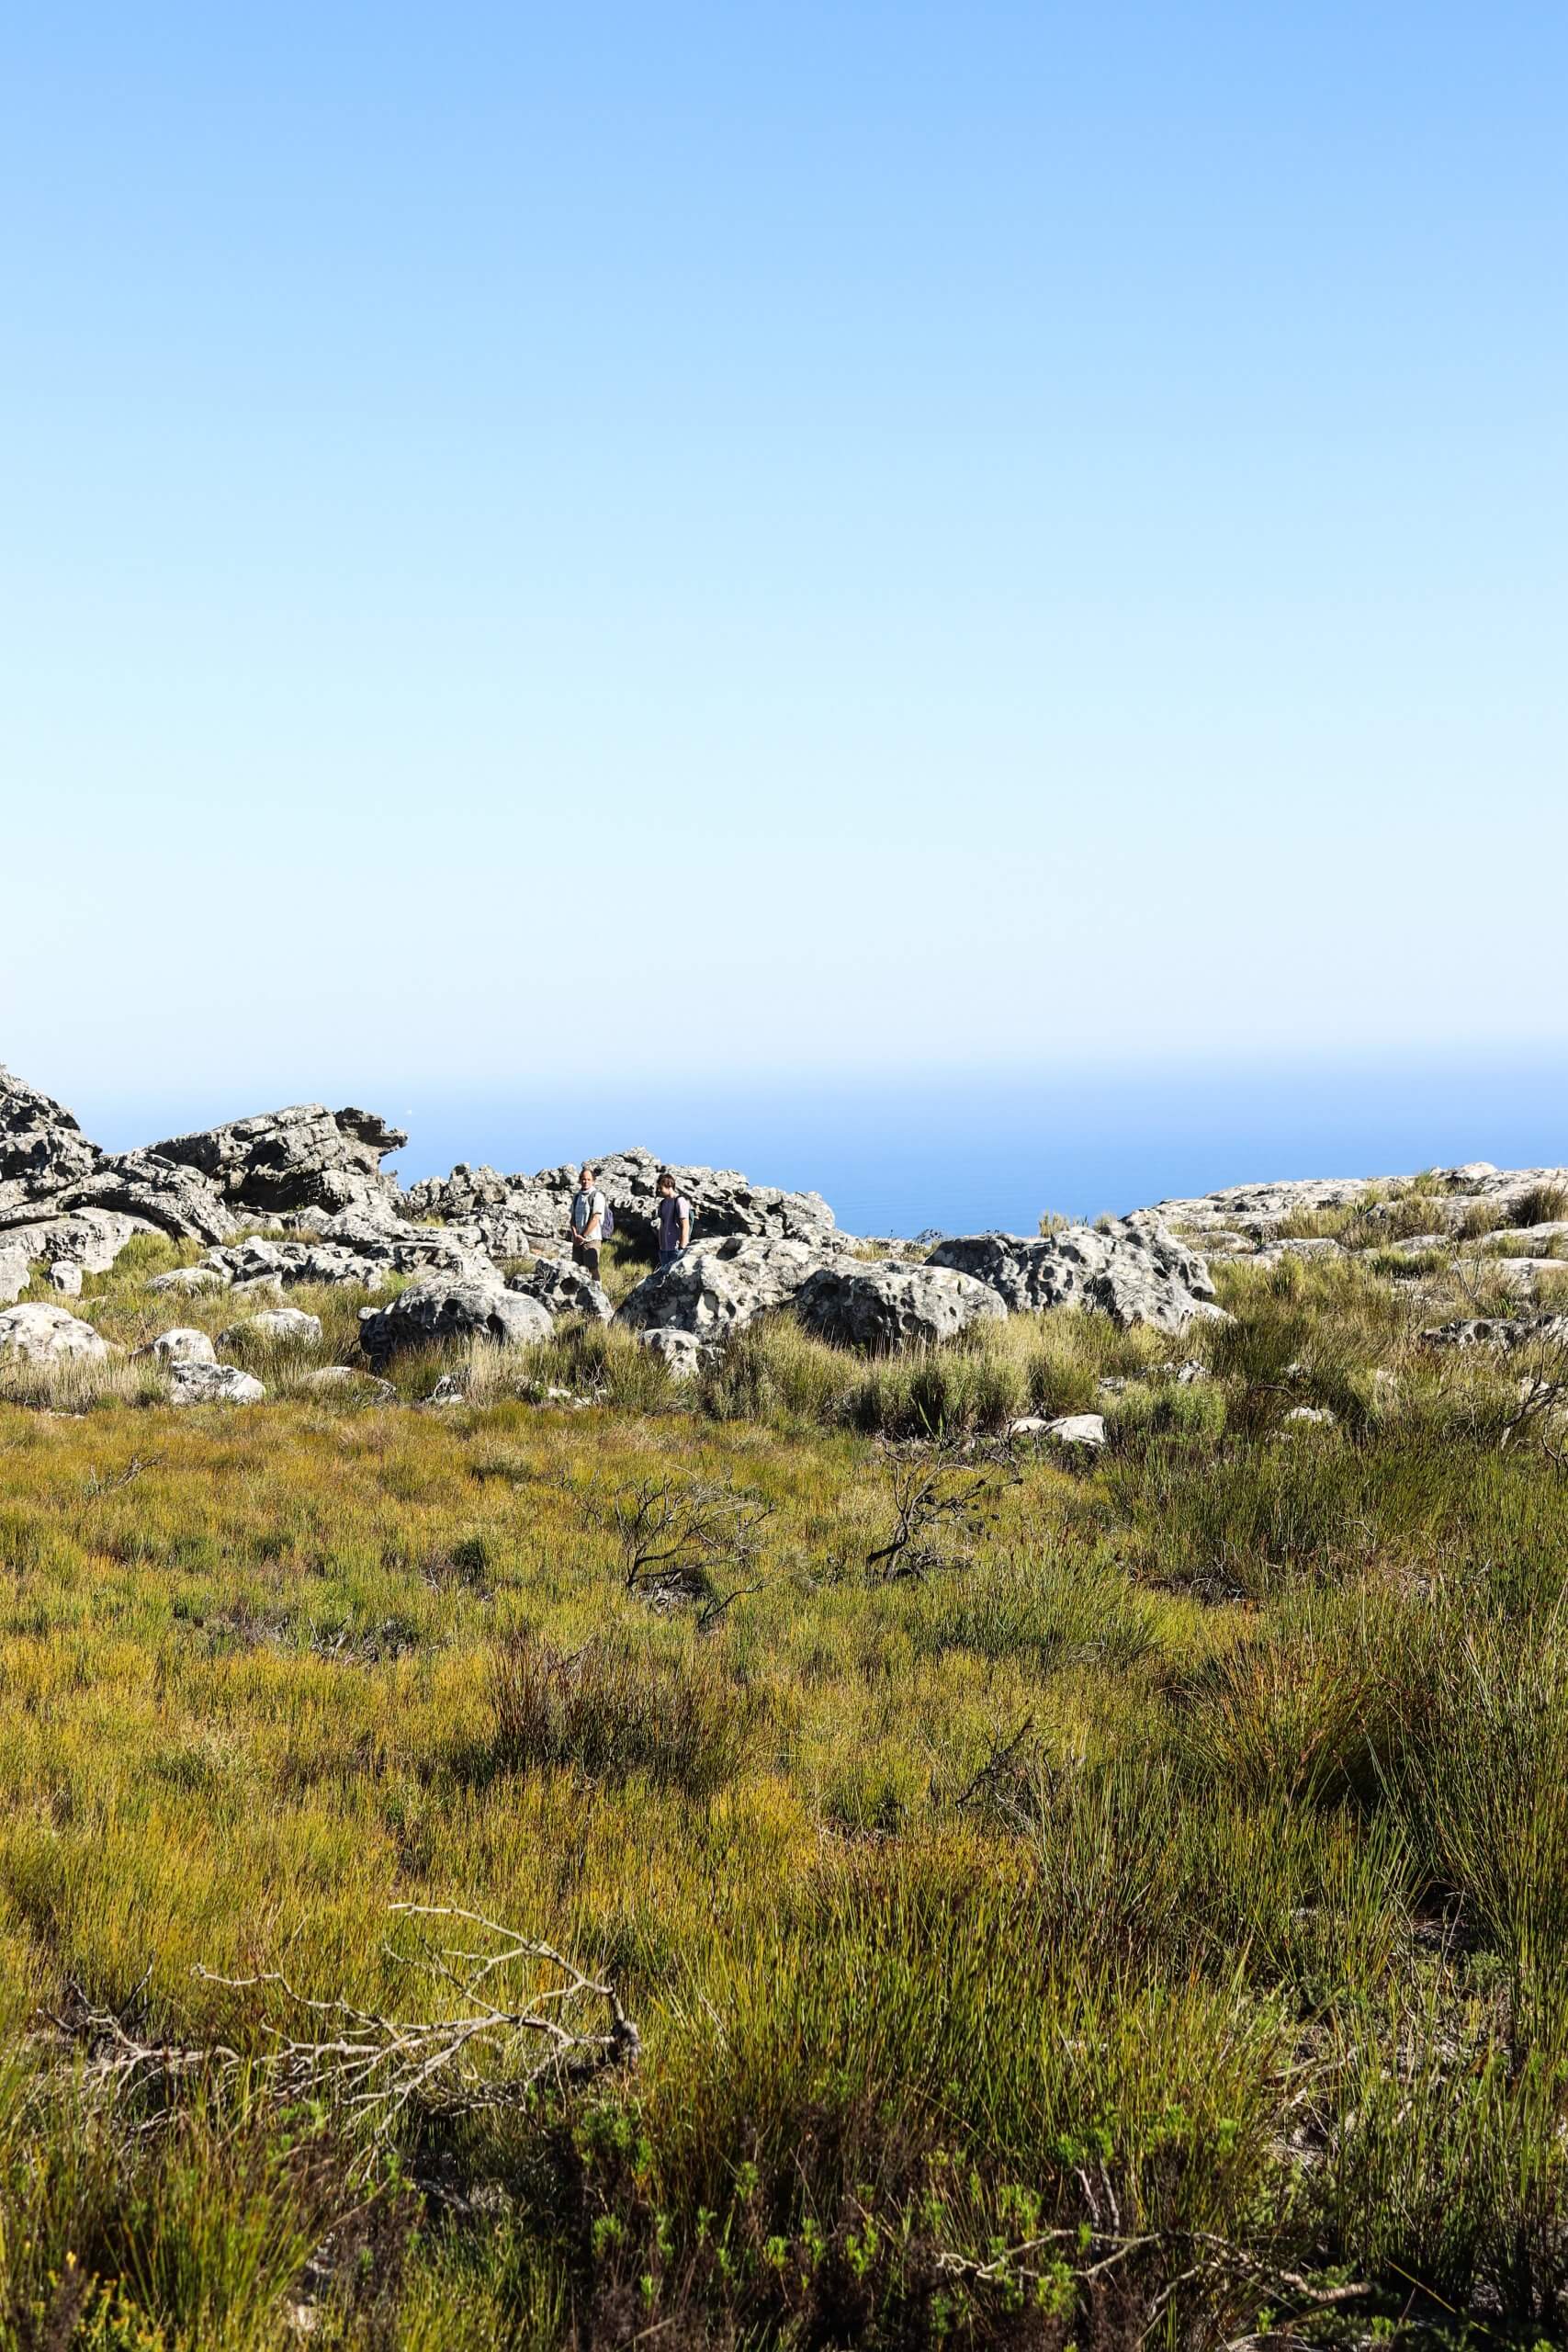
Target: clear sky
(766, 540)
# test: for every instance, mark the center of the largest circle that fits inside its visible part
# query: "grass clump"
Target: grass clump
(609, 1711)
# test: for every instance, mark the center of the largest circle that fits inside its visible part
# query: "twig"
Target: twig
(95, 1486)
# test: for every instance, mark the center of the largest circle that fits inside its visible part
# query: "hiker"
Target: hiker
(674, 1220)
(589, 1210)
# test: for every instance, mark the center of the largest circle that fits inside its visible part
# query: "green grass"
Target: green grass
(1139, 1927)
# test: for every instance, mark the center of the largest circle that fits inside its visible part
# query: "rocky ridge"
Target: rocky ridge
(495, 1266)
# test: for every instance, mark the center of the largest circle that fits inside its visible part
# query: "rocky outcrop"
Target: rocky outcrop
(1503, 1332)
(304, 1157)
(41, 1334)
(562, 1288)
(440, 1309)
(1131, 1269)
(1451, 1199)
(882, 1306)
(156, 1192)
(517, 1214)
(716, 1286)
(91, 1238)
(366, 1261)
(43, 1149)
(48, 1168)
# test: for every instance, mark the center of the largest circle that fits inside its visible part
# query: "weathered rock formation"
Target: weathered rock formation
(288, 1326)
(213, 1383)
(1133, 1269)
(882, 1306)
(440, 1309)
(183, 1344)
(716, 1286)
(1251, 1214)
(517, 1213)
(43, 1149)
(562, 1288)
(303, 1157)
(42, 1334)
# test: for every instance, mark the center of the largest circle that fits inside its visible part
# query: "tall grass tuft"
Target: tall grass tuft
(609, 1711)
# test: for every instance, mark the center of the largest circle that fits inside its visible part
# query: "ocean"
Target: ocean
(962, 1153)
(954, 1150)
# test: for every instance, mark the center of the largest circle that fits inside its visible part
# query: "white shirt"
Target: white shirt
(586, 1208)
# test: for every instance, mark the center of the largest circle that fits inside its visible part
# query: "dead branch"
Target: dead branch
(935, 1515)
(502, 2032)
(117, 2054)
(483, 2053)
(1000, 1766)
(714, 1609)
(675, 1532)
(1543, 1398)
(1105, 2249)
(93, 1487)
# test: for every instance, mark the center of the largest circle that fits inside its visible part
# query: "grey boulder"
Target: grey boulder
(564, 1289)
(15, 1273)
(213, 1383)
(280, 1325)
(883, 1305)
(718, 1286)
(183, 1345)
(1066, 1429)
(682, 1353)
(440, 1309)
(1133, 1269)
(91, 1238)
(189, 1281)
(44, 1334)
(348, 1380)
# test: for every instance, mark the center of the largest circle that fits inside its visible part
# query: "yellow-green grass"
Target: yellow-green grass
(1179, 1867)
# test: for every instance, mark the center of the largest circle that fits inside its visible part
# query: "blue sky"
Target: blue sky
(764, 546)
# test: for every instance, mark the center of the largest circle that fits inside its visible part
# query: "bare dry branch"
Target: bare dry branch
(673, 1533)
(490, 2047)
(936, 1513)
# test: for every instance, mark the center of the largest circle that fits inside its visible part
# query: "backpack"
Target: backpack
(606, 1223)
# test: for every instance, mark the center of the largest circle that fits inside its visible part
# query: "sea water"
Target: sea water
(960, 1151)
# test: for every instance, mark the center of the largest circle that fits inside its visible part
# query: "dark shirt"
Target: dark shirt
(671, 1212)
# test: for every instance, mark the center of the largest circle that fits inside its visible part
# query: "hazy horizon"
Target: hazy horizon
(952, 1150)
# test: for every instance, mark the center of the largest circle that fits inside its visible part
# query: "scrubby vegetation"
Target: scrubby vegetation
(1128, 1906)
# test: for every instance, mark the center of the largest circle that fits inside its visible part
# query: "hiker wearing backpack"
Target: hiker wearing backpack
(592, 1223)
(674, 1220)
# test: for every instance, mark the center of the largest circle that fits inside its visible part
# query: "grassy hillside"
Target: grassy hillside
(1018, 1898)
